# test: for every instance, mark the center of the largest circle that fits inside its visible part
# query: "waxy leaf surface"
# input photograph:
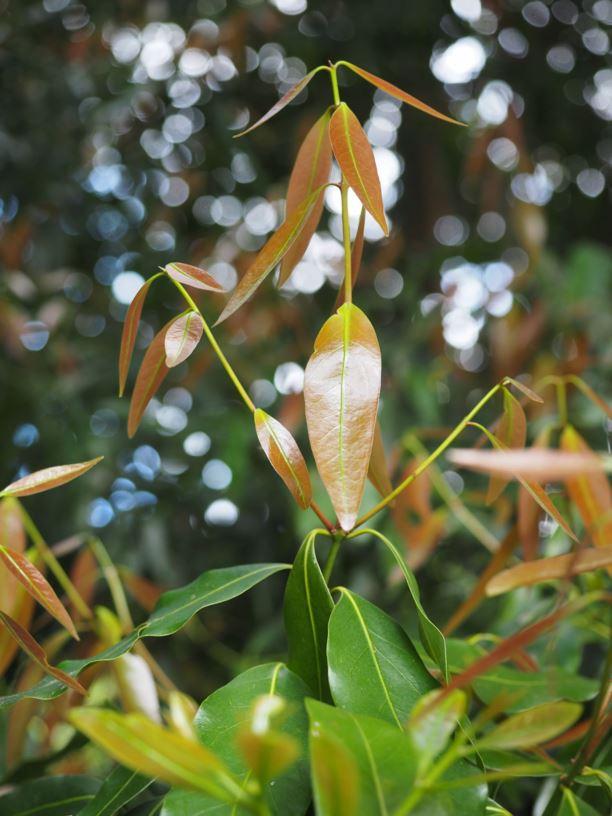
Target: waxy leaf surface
(62, 795)
(152, 372)
(47, 479)
(120, 787)
(531, 727)
(341, 390)
(431, 728)
(193, 277)
(282, 102)
(130, 329)
(284, 456)
(356, 161)
(182, 338)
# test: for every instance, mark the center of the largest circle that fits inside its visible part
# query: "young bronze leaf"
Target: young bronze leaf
(12, 532)
(511, 432)
(356, 160)
(559, 567)
(270, 255)
(284, 456)
(48, 478)
(398, 93)
(539, 464)
(128, 335)
(282, 102)
(37, 653)
(37, 585)
(524, 390)
(589, 490)
(592, 395)
(356, 255)
(528, 510)
(310, 172)
(182, 338)
(341, 391)
(193, 276)
(152, 372)
(378, 471)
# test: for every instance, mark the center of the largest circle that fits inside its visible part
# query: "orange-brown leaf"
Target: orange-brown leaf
(341, 391)
(153, 370)
(192, 276)
(378, 471)
(182, 338)
(12, 533)
(310, 172)
(284, 456)
(48, 478)
(511, 432)
(539, 464)
(356, 160)
(128, 335)
(356, 256)
(528, 511)
(282, 102)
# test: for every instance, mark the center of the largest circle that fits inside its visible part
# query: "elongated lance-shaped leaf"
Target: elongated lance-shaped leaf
(62, 795)
(37, 653)
(130, 328)
(356, 256)
(356, 160)
(34, 582)
(13, 537)
(539, 464)
(341, 390)
(310, 172)
(48, 478)
(525, 390)
(153, 371)
(393, 90)
(284, 456)
(378, 471)
(182, 338)
(193, 276)
(282, 102)
(269, 256)
(119, 787)
(531, 727)
(512, 432)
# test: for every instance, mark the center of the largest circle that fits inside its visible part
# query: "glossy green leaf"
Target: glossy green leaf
(385, 759)
(48, 478)
(120, 787)
(52, 796)
(284, 455)
(182, 338)
(267, 752)
(532, 727)
(308, 605)
(431, 728)
(130, 329)
(572, 805)
(152, 372)
(193, 277)
(291, 94)
(373, 667)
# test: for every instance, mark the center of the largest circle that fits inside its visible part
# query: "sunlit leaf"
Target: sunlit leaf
(431, 728)
(282, 102)
(37, 653)
(12, 533)
(378, 470)
(511, 432)
(182, 338)
(47, 479)
(130, 328)
(61, 795)
(335, 773)
(387, 87)
(34, 582)
(341, 390)
(266, 750)
(531, 727)
(539, 464)
(136, 686)
(152, 372)
(310, 172)
(284, 456)
(181, 713)
(193, 276)
(119, 787)
(356, 257)
(356, 160)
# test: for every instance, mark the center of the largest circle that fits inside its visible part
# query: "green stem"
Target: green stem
(322, 517)
(334, 82)
(331, 558)
(111, 576)
(562, 402)
(346, 239)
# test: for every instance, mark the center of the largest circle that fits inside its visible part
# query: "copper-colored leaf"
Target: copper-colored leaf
(284, 456)
(356, 160)
(144, 591)
(282, 102)
(341, 391)
(525, 390)
(378, 471)
(310, 172)
(356, 256)
(193, 276)
(270, 255)
(128, 335)
(13, 537)
(511, 432)
(37, 653)
(539, 464)
(182, 338)
(399, 94)
(559, 567)
(152, 372)
(34, 582)
(589, 489)
(47, 479)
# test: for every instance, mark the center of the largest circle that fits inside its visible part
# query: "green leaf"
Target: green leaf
(469, 800)
(571, 805)
(308, 605)
(120, 787)
(384, 757)
(373, 667)
(532, 727)
(431, 728)
(53, 796)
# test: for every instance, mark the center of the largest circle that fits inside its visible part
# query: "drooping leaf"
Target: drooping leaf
(291, 94)
(284, 456)
(356, 256)
(270, 255)
(535, 463)
(310, 172)
(378, 471)
(119, 788)
(373, 667)
(531, 727)
(341, 390)
(308, 605)
(511, 432)
(151, 374)
(182, 338)
(356, 160)
(62, 795)
(524, 389)
(34, 582)
(48, 478)
(431, 728)
(130, 328)
(193, 276)
(396, 92)
(37, 653)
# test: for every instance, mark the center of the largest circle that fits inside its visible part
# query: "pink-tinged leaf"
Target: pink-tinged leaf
(396, 92)
(378, 471)
(539, 464)
(282, 102)
(37, 653)
(270, 255)
(182, 338)
(525, 390)
(128, 335)
(20, 606)
(356, 160)
(341, 391)
(32, 580)
(284, 456)
(153, 370)
(192, 276)
(512, 432)
(310, 172)
(12, 533)
(47, 479)
(559, 567)
(356, 256)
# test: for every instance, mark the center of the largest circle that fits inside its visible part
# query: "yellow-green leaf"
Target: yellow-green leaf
(182, 338)
(284, 456)
(532, 727)
(48, 478)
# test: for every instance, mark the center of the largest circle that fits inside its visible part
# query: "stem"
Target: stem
(562, 402)
(334, 81)
(431, 458)
(111, 576)
(322, 517)
(331, 558)
(417, 793)
(346, 239)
